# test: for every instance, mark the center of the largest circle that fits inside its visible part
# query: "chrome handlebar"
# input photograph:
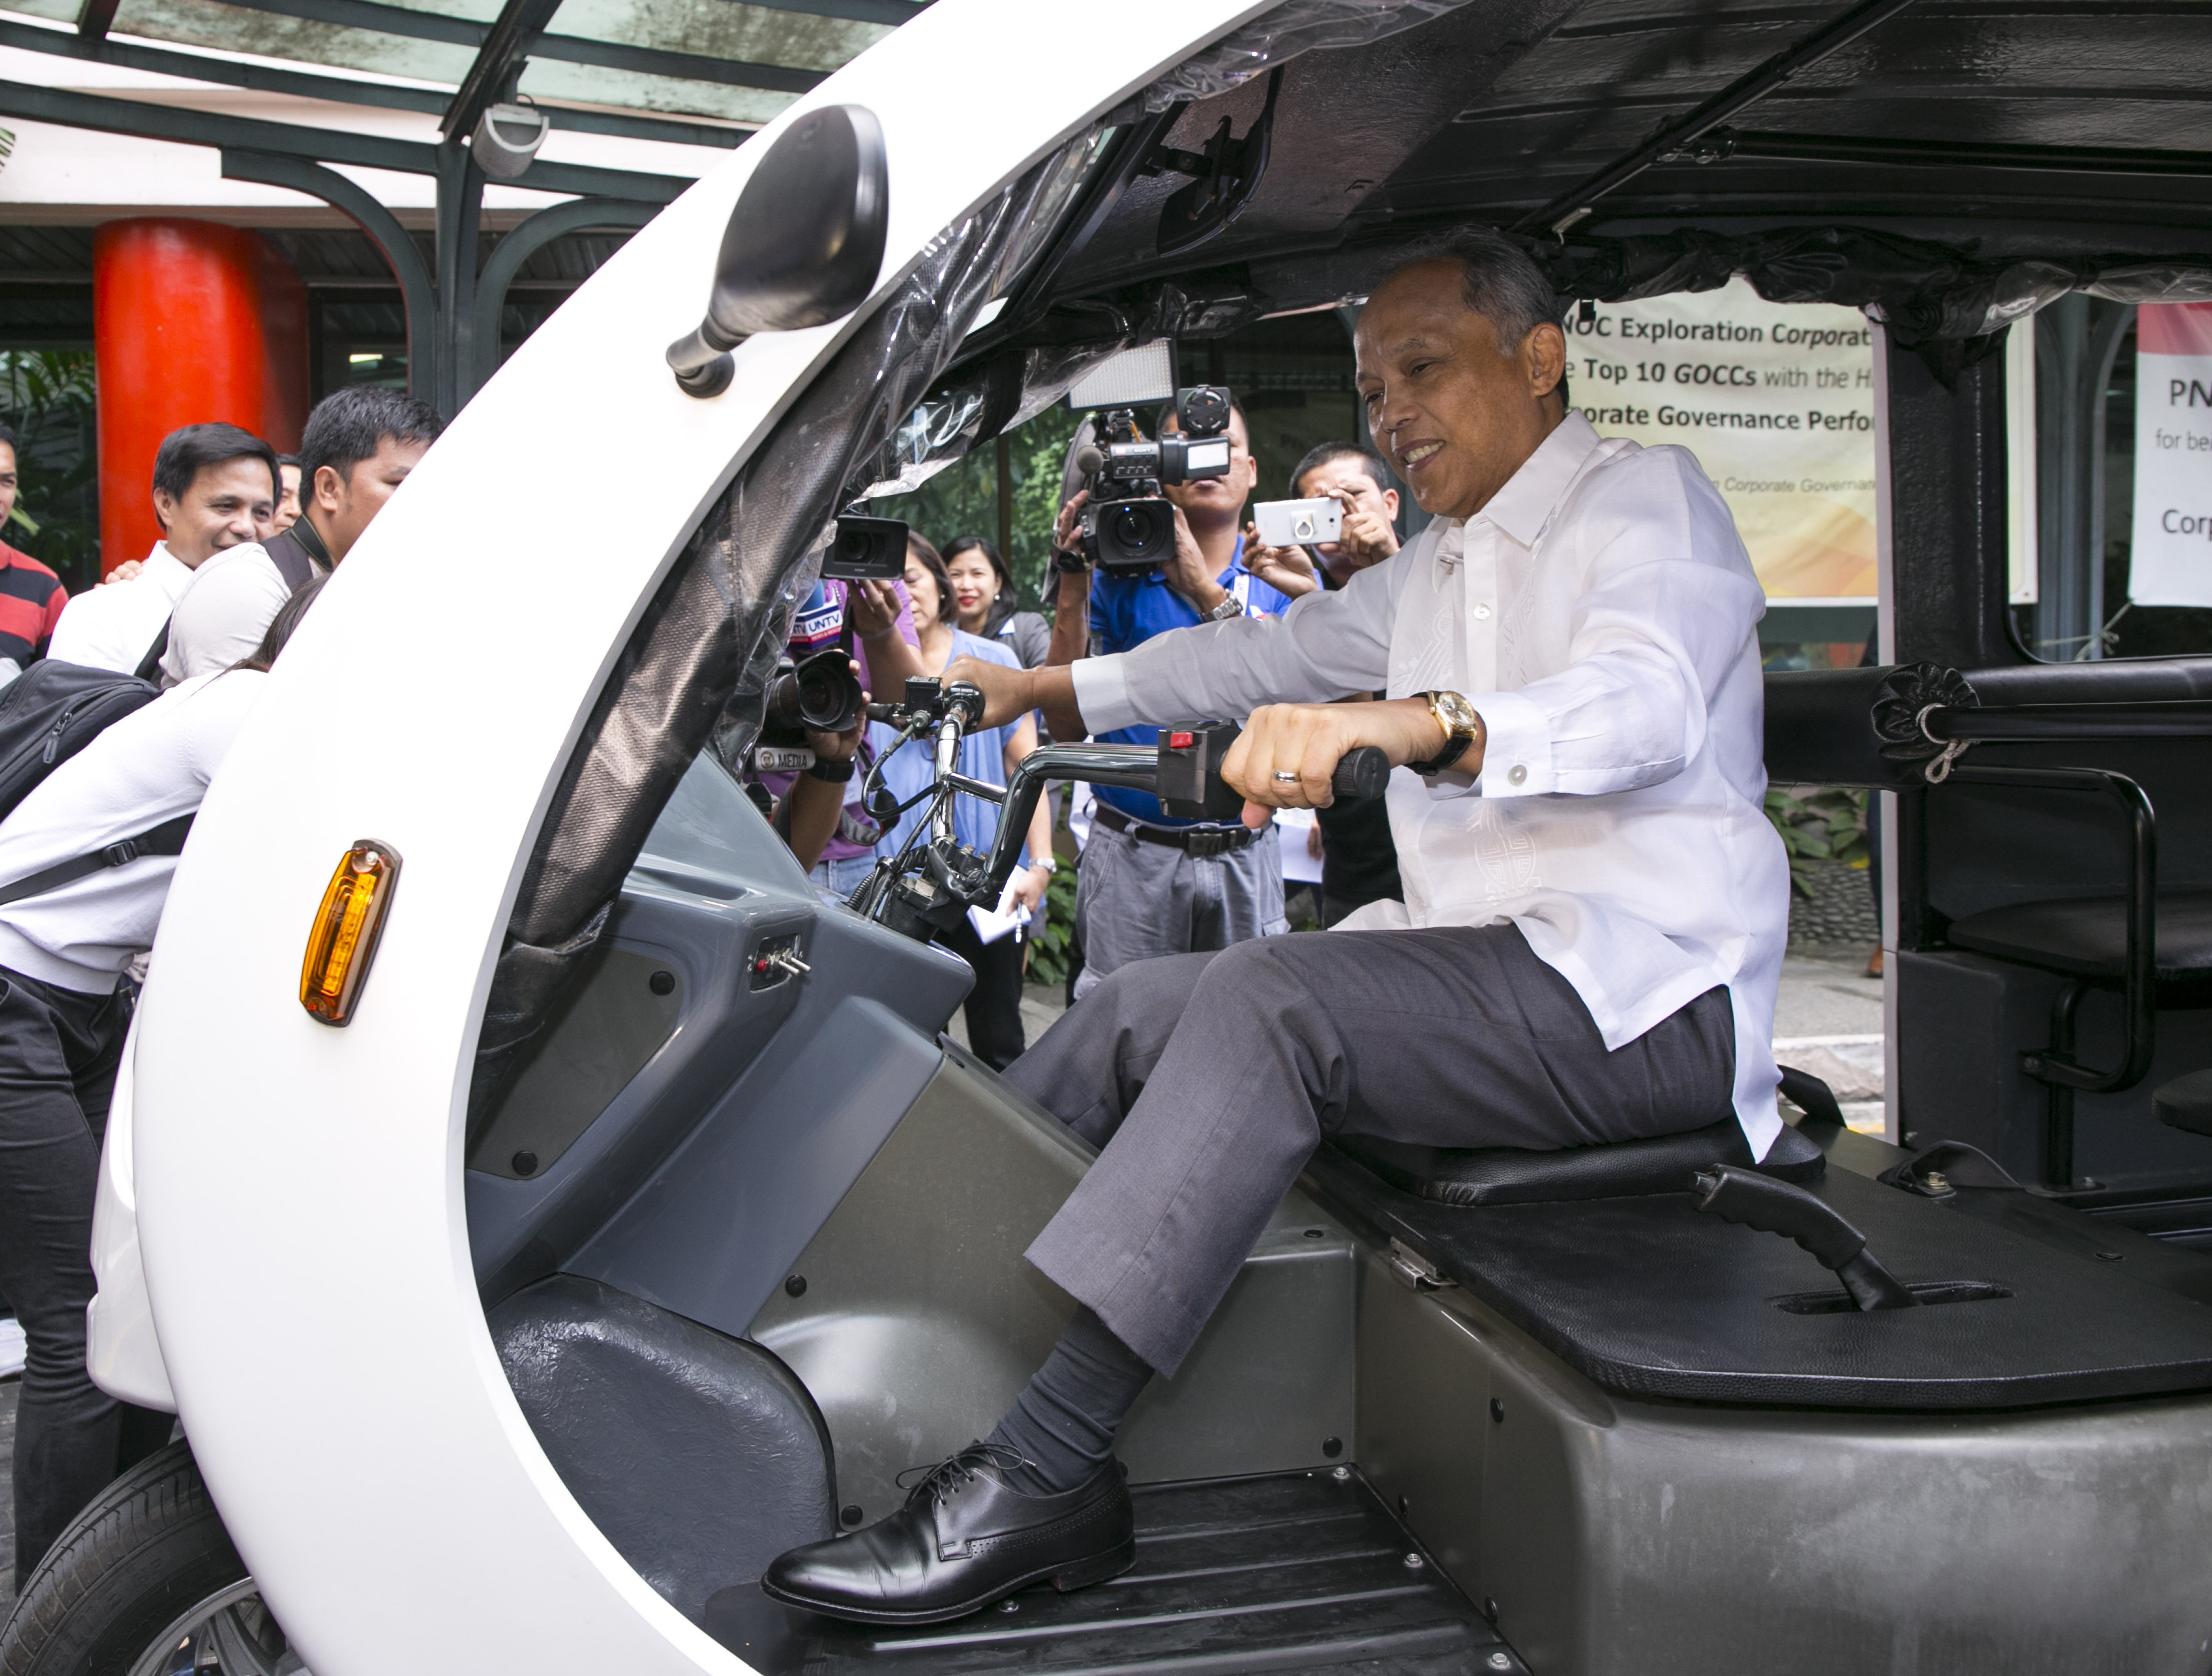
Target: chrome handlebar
(950, 878)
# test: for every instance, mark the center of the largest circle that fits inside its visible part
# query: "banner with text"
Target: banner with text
(2171, 561)
(1777, 402)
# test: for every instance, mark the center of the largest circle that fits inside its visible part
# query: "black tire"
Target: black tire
(148, 1549)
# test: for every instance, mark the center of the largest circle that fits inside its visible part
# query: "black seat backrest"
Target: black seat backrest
(1512, 1175)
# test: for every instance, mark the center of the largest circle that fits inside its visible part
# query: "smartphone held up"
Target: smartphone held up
(1299, 523)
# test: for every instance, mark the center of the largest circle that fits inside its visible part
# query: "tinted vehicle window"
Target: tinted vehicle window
(2109, 434)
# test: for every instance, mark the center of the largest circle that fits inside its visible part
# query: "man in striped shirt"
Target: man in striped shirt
(30, 596)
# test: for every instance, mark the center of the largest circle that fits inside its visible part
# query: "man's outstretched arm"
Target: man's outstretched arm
(1325, 646)
(1010, 693)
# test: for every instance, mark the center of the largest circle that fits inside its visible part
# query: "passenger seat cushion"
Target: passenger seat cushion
(700, 1457)
(2186, 1102)
(1510, 1176)
(2088, 936)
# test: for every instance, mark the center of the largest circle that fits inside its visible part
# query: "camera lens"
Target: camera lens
(1138, 534)
(817, 701)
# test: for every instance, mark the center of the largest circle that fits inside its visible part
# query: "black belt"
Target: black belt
(1201, 843)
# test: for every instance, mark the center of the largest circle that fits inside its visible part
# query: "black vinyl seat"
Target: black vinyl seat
(1648, 1298)
(2185, 1102)
(1512, 1175)
(2087, 937)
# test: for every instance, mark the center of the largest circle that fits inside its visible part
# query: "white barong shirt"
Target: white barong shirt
(114, 626)
(1601, 614)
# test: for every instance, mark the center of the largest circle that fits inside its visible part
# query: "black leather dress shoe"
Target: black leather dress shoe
(963, 1540)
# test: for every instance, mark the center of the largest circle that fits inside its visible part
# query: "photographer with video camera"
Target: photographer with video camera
(1154, 542)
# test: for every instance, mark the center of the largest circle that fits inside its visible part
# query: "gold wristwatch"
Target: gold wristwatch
(1462, 726)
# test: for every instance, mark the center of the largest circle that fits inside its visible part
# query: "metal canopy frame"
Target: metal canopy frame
(337, 89)
(1581, 199)
(445, 363)
(69, 109)
(463, 32)
(498, 64)
(1722, 143)
(386, 20)
(453, 312)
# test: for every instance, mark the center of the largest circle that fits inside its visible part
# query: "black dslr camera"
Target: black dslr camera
(1126, 525)
(815, 692)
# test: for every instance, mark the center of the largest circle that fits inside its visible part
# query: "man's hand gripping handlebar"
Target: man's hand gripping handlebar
(1289, 753)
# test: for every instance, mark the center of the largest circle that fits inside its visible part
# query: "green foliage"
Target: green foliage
(47, 396)
(963, 500)
(1819, 823)
(1051, 937)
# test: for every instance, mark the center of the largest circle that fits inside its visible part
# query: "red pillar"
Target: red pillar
(192, 321)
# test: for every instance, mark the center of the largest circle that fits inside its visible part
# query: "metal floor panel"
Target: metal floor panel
(1302, 1571)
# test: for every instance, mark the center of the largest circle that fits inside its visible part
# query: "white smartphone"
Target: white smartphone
(1299, 523)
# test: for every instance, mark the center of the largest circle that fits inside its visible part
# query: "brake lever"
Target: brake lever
(1772, 1206)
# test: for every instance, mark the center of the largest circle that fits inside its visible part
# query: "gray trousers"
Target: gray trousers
(1138, 901)
(1210, 1078)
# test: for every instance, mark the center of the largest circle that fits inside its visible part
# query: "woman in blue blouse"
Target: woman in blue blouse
(993, 1007)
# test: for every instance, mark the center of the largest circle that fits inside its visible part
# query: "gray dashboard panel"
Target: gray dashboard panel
(714, 883)
(598, 1036)
(715, 1230)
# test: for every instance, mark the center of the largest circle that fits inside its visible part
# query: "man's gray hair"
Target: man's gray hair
(1500, 280)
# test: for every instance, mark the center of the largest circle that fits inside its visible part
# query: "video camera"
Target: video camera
(1126, 525)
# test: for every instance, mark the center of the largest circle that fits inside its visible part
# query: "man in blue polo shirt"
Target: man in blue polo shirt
(1152, 885)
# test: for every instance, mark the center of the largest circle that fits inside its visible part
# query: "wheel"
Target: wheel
(145, 1582)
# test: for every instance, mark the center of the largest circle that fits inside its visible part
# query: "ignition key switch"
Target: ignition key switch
(777, 959)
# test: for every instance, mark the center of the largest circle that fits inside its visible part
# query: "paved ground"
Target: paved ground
(1827, 1020)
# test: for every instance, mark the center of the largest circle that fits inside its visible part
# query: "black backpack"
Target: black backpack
(48, 713)
(53, 710)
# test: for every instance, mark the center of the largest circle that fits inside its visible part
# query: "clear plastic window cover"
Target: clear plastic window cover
(777, 521)
(1280, 35)
(942, 429)
(2028, 286)
(1924, 291)
(696, 670)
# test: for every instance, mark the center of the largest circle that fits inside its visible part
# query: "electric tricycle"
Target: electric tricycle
(614, 1216)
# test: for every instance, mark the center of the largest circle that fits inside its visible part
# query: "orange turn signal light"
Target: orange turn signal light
(342, 940)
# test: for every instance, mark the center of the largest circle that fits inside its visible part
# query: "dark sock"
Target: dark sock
(1062, 1425)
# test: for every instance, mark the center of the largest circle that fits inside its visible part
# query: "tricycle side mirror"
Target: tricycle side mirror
(804, 243)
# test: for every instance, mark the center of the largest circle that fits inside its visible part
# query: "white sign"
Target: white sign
(1777, 402)
(2171, 563)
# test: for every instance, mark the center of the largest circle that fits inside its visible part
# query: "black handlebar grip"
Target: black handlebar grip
(966, 699)
(1361, 774)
